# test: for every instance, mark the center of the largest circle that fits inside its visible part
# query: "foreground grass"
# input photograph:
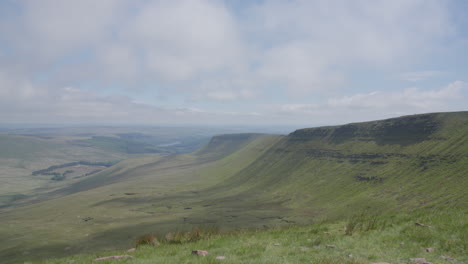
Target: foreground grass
(393, 239)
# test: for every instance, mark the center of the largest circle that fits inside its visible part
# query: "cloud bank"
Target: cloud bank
(115, 61)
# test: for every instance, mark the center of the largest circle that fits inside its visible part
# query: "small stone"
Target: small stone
(131, 250)
(350, 255)
(220, 257)
(330, 246)
(200, 252)
(429, 250)
(402, 244)
(327, 233)
(113, 257)
(423, 225)
(276, 244)
(379, 263)
(420, 260)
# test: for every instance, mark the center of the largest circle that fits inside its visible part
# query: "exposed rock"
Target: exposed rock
(113, 257)
(350, 255)
(200, 252)
(330, 246)
(448, 258)
(220, 257)
(423, 225)
(131, 250)
(276, 244)
(420, 260)
(429, 250)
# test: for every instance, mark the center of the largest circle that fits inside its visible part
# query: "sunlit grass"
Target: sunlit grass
(395, 242)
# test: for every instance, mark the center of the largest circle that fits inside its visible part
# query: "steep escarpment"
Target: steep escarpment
(405, 130)
(394, 164)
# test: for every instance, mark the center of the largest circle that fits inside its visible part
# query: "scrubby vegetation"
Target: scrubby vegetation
(393, 239)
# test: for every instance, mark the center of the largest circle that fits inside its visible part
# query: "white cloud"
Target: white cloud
(380, 104)
(408, 99)
(120, 62)
(301, 67)
(24, 102)
(199, 51)
(50, 29)
(185, 38)
(311, 40)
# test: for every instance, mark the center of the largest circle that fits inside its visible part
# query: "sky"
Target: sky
(203, 62)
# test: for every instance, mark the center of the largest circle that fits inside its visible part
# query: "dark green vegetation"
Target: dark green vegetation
(71, 164)
(366, 183)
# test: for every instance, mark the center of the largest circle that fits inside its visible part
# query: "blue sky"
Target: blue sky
(302, 63)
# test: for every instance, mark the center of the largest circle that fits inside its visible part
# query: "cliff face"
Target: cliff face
(402, 131)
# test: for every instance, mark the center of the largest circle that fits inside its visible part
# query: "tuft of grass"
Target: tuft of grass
(195, 234)
(147, 240)
(365, 221)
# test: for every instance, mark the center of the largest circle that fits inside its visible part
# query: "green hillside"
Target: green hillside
(386, 167)
(362, 165)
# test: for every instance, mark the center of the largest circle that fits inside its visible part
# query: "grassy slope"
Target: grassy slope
(317, 171)
(120, 198)
(312, 174)
(393, 239)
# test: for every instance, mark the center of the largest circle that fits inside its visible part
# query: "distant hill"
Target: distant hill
(253, 180)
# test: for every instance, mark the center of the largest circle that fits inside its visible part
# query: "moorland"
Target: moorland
(379, 191)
